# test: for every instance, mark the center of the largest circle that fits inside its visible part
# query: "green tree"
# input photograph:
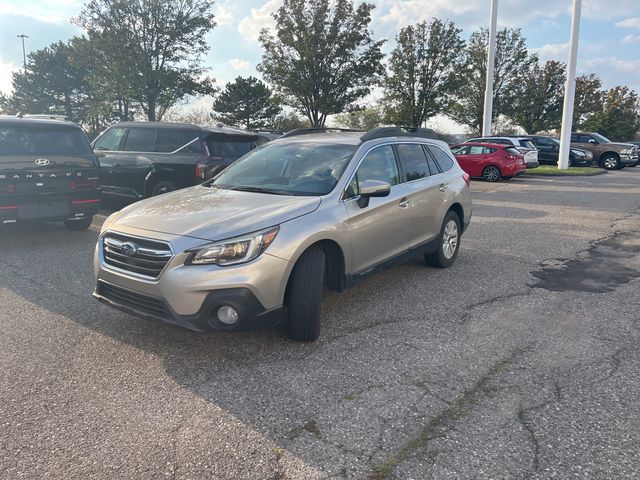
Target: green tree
(51, 83)
(153, 46)
(539, 106)
(618, 115)
(361, 119)
(287, 121)
(424, 72)
(513, 62)
(245, 102)
(322, 58)
(588, 100)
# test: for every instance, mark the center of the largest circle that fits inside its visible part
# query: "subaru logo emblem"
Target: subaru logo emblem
(41, 162)
(129, 249)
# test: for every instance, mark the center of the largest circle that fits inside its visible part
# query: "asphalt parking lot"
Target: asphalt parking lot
(521, 361)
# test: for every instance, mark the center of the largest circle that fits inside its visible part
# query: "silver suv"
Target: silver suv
(257, 244)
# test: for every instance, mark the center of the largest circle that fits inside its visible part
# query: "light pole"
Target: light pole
(570, 89)
(491, 61)
(22, 36)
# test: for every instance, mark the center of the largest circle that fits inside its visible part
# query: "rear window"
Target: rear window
(225, 146)
(527, 143)
(42, 140)
(512, 151)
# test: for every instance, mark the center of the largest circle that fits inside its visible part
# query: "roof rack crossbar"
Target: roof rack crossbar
(308, 131)
(383, 132)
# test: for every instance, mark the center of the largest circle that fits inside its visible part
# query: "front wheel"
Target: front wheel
(78, 225)
(304, 298)
(448, 243)
(162, 187)
(491, 174)
(611, 162)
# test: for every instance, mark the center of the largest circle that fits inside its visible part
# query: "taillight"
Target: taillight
(467, 179)
(8, 189)
(92, 183)
(201, 170)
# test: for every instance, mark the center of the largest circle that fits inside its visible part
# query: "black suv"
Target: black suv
(143, 159)
(549, 149)
(47, 172)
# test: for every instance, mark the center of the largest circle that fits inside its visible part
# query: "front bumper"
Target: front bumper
(251, 313)
(629, 160)
(190, 295)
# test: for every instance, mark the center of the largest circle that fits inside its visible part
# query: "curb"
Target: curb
(594, 174)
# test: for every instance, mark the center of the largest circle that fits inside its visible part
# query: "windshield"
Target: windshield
(296, 168)
(600, 138)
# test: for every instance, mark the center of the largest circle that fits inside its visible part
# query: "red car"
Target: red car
(490, 161)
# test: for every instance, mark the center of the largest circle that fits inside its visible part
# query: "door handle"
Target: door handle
(404, 202)
(444, 187)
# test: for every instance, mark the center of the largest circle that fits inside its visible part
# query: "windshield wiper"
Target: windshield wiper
(260, 190)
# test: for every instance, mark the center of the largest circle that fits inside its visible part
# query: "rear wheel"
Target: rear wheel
(162, 187)
(448, 243)
(491, 174)
(304, 296)
(610, 162)
(78, 225)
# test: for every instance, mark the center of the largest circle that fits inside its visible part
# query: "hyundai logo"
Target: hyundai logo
(41, 162)
(129, 249)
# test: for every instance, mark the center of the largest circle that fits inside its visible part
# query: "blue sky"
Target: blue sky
(610, 33)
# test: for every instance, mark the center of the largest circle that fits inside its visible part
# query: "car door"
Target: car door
(477, 160)
(463, 157)
(380, 230)
(136, 160)
(424, 182)
(547, 150)
(108, 148)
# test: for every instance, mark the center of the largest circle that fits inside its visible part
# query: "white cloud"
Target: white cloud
(6, 78)
(259, 18)
(629, 39)
(629, 23)
(552, 51)
(49, 11)
(239, 64)
(223, 16)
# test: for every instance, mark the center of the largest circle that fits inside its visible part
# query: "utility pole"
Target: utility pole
(570, 88)
(22, 36)
(491, 61)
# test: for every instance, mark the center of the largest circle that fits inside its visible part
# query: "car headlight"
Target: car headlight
(578, 153)
(234, 250)
(625, 152)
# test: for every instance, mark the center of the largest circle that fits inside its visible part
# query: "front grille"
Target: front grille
(128, 298)
(143, 257)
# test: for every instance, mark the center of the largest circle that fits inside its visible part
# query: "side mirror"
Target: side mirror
(591, 140)
(372, 188)
(99, 153)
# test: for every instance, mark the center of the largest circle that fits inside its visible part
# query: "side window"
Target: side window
(477, 150)
(380, 165)
(488, 150)
(141, 140)
(587, 139)
(461, 150)
(574, 138)
(413, 160)
(170, 140)
(111, 140)
(543, 142)
(444, 161)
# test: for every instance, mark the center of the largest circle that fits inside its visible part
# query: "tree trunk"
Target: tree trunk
(151, 108)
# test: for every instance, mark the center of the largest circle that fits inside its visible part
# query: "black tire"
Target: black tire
(161, 187)
(440, 258)
(304, 296)
(610, 161)
(79, 225)
(491, 174)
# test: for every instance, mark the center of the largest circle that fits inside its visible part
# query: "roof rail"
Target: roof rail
(382, 132)
(308, 131)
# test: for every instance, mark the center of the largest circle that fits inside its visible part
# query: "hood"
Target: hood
(213, 214)
(622, 146)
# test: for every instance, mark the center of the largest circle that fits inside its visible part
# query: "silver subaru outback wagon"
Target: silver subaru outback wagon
(256, 245)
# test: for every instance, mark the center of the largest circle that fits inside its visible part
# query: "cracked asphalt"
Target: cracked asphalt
(521, 361)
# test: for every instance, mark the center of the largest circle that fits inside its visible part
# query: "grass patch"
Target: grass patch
(553, 170)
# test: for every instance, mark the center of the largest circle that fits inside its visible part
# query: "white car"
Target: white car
(523, 144)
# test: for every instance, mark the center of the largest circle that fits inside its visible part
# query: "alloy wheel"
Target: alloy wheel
(450, 239)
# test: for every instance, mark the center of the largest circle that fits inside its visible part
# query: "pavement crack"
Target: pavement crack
(489, 301)
(446, 420)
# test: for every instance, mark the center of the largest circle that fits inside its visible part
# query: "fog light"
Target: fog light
(227, 315)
